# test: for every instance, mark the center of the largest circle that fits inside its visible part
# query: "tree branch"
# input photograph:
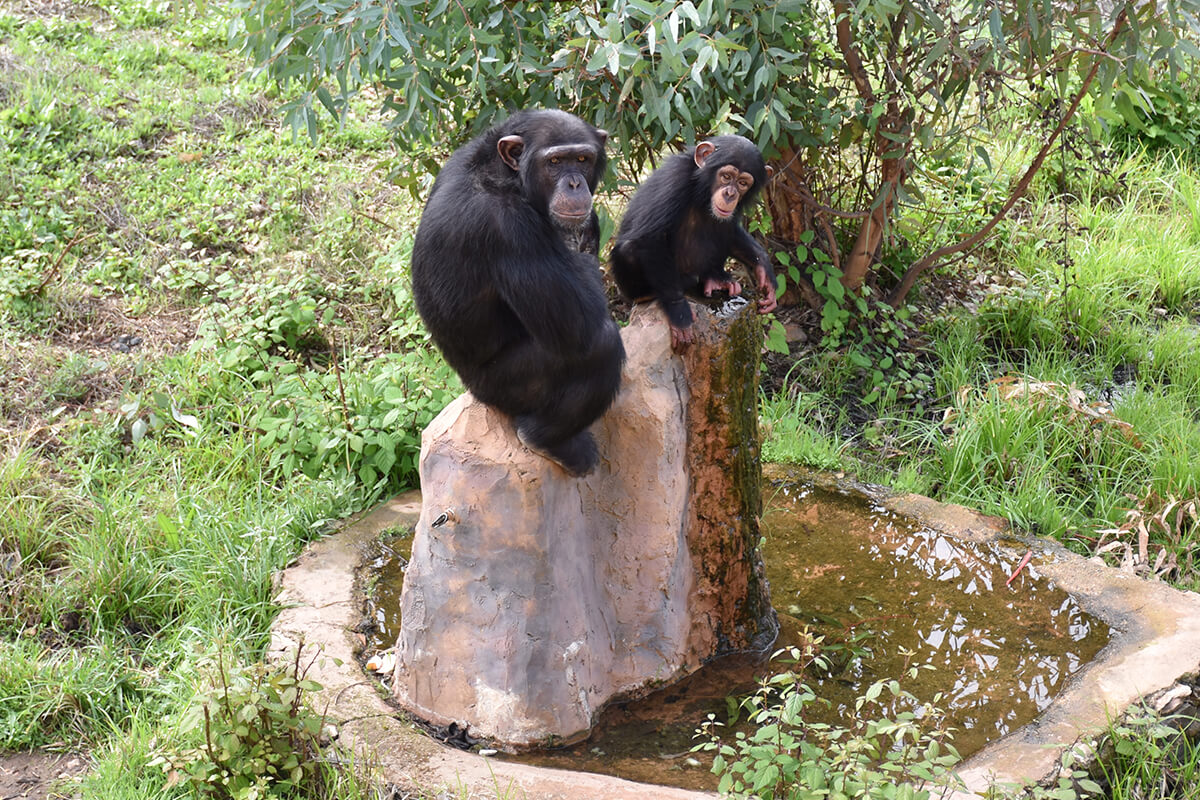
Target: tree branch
(922, 266)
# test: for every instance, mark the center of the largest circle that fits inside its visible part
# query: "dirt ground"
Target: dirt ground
(39, 776)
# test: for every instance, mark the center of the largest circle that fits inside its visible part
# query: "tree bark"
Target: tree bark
(891, 145)
(789, 202)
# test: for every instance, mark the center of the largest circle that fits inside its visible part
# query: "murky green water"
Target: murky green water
(842, 566)
(385, 578)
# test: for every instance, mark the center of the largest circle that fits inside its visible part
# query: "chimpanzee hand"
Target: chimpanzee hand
(713, 285)
(681, 338)
(766, 291)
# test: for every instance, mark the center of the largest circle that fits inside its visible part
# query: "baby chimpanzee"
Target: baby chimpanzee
(684, 223)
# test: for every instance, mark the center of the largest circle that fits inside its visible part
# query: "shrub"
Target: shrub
(788, 757)
(258, 737)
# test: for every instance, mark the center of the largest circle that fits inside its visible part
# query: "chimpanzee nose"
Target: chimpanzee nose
(573, 181)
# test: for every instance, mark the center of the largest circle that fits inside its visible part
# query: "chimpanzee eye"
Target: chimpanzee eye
(582, 159)
(554, 159)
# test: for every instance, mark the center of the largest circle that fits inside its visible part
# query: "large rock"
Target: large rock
(533, 598)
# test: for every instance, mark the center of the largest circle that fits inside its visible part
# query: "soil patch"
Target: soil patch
(39, 775)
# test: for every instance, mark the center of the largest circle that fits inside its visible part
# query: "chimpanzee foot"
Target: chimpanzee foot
(577, 455)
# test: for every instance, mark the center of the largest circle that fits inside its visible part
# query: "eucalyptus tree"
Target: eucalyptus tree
(866, 109)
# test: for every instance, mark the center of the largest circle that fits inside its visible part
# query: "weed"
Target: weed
(257, 737)
(787, 756)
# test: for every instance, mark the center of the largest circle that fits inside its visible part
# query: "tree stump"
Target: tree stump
(532, 599)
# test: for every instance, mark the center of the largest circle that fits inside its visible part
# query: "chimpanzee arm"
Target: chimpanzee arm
(752, 254)
(657, 270)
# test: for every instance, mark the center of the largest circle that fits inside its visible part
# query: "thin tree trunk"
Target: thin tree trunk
(893, 156)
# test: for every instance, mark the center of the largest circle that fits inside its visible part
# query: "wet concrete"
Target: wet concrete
(1155, 641)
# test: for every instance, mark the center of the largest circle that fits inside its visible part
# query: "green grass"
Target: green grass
(147, 498)
(282, 379)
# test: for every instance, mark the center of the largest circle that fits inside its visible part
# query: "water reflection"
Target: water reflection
(1000, 652)
(846, 567)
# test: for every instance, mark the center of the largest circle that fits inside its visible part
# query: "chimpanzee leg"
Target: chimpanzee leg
(554, 402)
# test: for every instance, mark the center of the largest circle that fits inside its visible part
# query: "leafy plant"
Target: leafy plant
(1151, 756)
(871, 336)
(1141, 755)
(258, 738)
(788, 756)
(321, 409)
(1164, 115)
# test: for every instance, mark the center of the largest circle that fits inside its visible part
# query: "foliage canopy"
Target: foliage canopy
(870, 110)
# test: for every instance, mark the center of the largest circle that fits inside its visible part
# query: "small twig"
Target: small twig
(53, 271)
(337, 372)
(374, 218)
(212, 752)
(1024, 561)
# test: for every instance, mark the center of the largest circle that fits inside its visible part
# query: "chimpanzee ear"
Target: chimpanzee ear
(770, 172)
(510, 149)
(603, 134)
(703, 151)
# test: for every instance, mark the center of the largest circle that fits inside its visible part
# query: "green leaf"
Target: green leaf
(776, 341)
(996, 26)
(327, 100)
(982, 152)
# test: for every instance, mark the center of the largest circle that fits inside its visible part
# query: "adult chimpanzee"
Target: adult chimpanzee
(684, 223)
(505, 276)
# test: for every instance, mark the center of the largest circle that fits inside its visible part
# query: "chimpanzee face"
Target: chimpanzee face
(568, 172)
(560, 173)
(729, 187)
(730, 183)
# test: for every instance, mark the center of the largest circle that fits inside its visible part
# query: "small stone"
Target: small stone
(488, 751)
(1172, 698)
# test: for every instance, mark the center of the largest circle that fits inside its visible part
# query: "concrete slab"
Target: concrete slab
(1155, 644)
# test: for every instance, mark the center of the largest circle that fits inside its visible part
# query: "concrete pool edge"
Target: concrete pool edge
(1155, 644)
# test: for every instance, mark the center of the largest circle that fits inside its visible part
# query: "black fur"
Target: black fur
(510, 288)
(670, 242)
